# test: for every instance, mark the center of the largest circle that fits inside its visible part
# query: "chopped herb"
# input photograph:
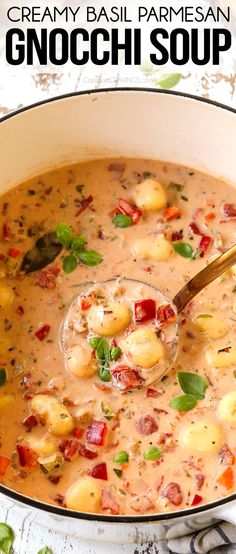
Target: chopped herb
(104, 374)
(107, 410)
(192, 384)
(79, 188)
(183, 249)
(122, 220)
(226, 349)
(184, 198)
(43, 469)
(6, 538)
(204, 316)
(147, 174)
(118, 472)
(183, 403)
(115, 353)
(121, 457)
(69, 263)
(234, 373)
(176, 186)
(90, 257)
(3, 376)
(153, 453)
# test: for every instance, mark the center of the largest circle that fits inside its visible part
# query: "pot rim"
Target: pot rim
(153, 518)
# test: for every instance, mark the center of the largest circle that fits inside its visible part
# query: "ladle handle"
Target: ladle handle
(204, 278)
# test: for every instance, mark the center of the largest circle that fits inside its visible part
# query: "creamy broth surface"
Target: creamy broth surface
(120, 451)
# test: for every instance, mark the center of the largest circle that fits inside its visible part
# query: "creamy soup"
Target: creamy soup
(91, 257)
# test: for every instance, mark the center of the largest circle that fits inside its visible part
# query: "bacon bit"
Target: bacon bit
(142, 504)
(226, 478)
(78, 432)
(2, 257)
(4, 463)
(144, 310)
(160, 411)
(177, 235)
(193, 228)
(84, 203)
(59, 499)
(173, 492)
(148, 268)
(138, 177)
(197, 499)
(200, 479)
(5, 208)
(71, 449)
(125, 378)
(160, 483)
(209, 216)
(108, 502)
(194, 464)
(14, 252)
(30, 422)
(96, 432)
(85, 303)
(125, 208)
(198, 212)
(99, 471)
(146, 425)
(172, 213)
(27, 457)
(54, 479)
(229, 210)
(103, 388)
(20, 310)
(6, 232)
(165, 314)
(46, 279)
(205, 242)
(116, 166)
(152, 393)
(42, 333)
(226, 456)
(164, 437)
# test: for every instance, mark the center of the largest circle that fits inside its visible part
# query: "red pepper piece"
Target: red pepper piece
(14, 252)
(29, 421)
(173, 492)
(125, 378)
(78, 432)
(144, 310)
(85, 452)
(152, 393)
(172, 213)
(27, 457)
(193, 227)
(6, 232)
(146, 425)
(131, 211)
(85, 303)
(4, 463)
(165, 314)
(177, 235)
(99, 472)
(96, 432)
(229, 210)
(42, 333)
(226, 456)
(197, 499)
(205, 242)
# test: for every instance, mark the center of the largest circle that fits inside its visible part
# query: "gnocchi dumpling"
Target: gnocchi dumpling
(84, 495)
(152, 248)
(56, 416)
(143, 347)
(80, 361)
(6, 295)
(150, 195)
(108, 320)
(204, 437)
(43, 446)
(227, 408)
(221, 358)
(215, 327)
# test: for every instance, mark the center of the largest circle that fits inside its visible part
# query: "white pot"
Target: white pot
(142, 123)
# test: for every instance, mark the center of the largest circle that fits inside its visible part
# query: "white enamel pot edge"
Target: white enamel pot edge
(142, 123)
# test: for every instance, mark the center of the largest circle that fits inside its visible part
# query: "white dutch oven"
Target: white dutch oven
(142, 123)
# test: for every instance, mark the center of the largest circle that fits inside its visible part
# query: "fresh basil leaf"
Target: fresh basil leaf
(183, 403)
(3, 376)
(183, 249)
(103, 351)
(104, 374)
(45, 550)
(90, 257)
(115, 353)
(169, 80)
(69, 263)
(121, 457)
(153, 453)
(64, 234)
(122, 220)
(78, 243)
(94, 342)
(148, 68)
(6, 538)
(43, 253)
(192, 383)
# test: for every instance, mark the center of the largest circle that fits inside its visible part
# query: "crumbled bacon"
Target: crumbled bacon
(144, 310)
(117, 166)
(226, 456)
(152, 393)
(193, 228)
(125, 208)
(46, 279)
(108, 502)
(30, 422)
(125, 378)
(200, 479)
(54, 479)
(42, 333)
(6, 232)
(146, 425)
(177, 235)
(173, 492)
(165, 314)
(83, 204)
(142, 504)
(229, 210)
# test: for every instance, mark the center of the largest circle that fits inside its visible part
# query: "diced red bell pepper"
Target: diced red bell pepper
(125, 378)
(71, 449)
(197, 499)
(85, 452)
(165, 314)
(4, 463)
(99, 472)
(172, 213)
(152, 393)
(193, 227)
(205, 242)
(42, 333)
(144, 310)
(209, 216)
(14, 252)
(78, 432)
(27, 457)
(6, 232)
(96, 432)
(226, 456)
(229, 210)
(226, 478)
(131, 211)
(85, 303)
(30, 421)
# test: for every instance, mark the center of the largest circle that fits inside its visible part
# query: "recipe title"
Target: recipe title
(40, 34)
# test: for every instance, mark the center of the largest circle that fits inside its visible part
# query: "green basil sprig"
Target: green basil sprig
(6, 538)
(104, 356)
(183, 403)
(76, 246)
(192, 383)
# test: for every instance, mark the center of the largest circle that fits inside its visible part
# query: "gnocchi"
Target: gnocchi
(143, 347)
(6, 295)
(108, 320)
(55, 415)
(204, 437)
(215, 327)
(84, 495)
(152, 248)
(227, 408)
(150, 195)
(43, 446)
(220, 358)
(80, 361)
